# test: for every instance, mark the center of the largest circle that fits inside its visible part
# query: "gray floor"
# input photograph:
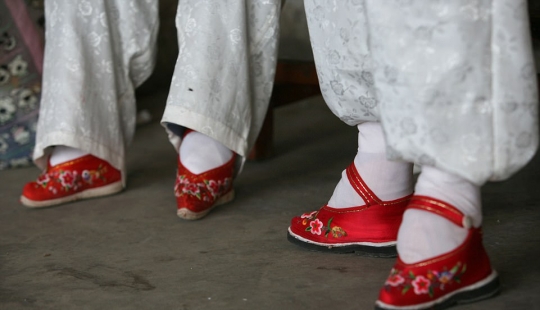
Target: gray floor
(130, 251)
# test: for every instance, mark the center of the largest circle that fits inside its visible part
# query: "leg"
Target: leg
(224, 74)
(220, 89)
(96, 54)
(447, 106)
(453, 117)
(365, 211)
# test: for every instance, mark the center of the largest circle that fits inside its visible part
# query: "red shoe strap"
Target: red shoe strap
(186, 131)
(360, 186)
(441, 208)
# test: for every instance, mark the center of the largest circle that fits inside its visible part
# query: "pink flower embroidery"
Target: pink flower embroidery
(421, 285)
(182, 180)
(191, 188)
(395, 280)
(213, 187)
(308, 215)
(67, 178)
(43, 179)
(316, 227)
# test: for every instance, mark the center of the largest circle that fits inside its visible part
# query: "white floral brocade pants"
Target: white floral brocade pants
(453, 83)
(98, 51)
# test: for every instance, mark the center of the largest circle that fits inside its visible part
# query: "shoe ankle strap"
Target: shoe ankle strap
(441, 208)
(360, 186)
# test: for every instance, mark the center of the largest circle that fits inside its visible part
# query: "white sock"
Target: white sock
(423, 234)
(62, 154)
(200, 153)
(387, 179)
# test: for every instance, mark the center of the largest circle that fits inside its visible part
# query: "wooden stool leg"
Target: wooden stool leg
(294, 80)
(263, 147)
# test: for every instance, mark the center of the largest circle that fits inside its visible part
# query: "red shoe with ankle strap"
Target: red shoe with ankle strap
(369, 230)
(461, 276)
(198, 194)
(81, 178)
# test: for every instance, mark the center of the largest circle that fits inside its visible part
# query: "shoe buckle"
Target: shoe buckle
(467, 222)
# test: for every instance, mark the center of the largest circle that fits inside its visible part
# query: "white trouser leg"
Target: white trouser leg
(224, 74)
(96, 53)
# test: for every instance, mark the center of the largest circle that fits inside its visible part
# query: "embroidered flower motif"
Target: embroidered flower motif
(444, 276)
(67, 178)
(43, 179)
(395, 280)
(316, 227)
(338, 232)
(426, 283)
(311, 219)
(86, 176)
(207, 190)
(181, 179)
(421, 285)
(191, 189)
(309, 215)
(213, 187)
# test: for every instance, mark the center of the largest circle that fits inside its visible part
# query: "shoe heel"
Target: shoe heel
(225, 198)
(488, 290)
(186, 214)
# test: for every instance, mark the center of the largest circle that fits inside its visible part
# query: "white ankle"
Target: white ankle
(423, 235)
(200, 153)
(387, 179)
(62, 154)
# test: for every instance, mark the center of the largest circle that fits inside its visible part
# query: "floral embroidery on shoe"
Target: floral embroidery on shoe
(425, 284)
(70, 179)
(43, 179)
(206, 190)
(316, 227)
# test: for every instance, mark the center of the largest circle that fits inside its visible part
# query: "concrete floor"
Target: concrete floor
(130, 251)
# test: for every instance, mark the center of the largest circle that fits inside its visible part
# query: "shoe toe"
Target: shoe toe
(32, 191)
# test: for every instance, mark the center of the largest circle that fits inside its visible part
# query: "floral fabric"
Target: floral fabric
(452, 82)
(21, 53)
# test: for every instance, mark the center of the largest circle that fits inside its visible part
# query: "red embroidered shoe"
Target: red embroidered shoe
(461, 276)
(81, 178)
(369, 230)
(197, 194)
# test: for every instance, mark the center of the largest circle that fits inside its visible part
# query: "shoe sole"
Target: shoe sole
(186, 214)
(480, 290)
(368, 249)
(106, 190)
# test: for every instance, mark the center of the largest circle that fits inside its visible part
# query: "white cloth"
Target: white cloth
(225, 69)
(98, 51)
(200, 153)
(453, 82)
(424, 234)
(389, 180)
(61, 154)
